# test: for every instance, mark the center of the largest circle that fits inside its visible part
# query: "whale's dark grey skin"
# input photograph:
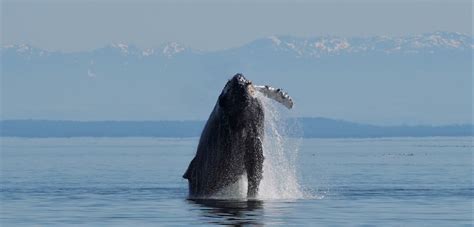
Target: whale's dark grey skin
(231, 142)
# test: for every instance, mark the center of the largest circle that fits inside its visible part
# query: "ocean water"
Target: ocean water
(137, 181)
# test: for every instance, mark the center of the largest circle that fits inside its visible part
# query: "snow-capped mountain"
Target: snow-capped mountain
(298, 47)
(270, 53)
(166, 50)
(24, 50)
(119, 49)
(378, 77)
(330, 45)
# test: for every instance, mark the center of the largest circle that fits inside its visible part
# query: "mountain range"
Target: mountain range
(315, 47)
(410, 79)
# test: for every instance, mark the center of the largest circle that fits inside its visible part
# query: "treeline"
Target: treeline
(329, 128)
(48, 128)
(310, 128)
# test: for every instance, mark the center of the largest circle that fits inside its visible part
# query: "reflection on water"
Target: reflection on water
(230, 212)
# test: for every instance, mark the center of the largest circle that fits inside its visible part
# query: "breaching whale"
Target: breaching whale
(231, 142)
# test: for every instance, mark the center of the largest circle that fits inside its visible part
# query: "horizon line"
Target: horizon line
(300, 118)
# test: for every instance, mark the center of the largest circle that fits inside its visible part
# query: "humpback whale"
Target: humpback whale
(230, 145)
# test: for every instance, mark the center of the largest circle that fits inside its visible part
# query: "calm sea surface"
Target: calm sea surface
(137, 181)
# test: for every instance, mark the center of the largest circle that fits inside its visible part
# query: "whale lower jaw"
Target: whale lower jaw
(236, 190)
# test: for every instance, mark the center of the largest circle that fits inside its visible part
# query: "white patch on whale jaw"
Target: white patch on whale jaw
(251, 90)
(237, 190)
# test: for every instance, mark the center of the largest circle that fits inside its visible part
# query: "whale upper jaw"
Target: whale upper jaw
(276, 94)
(238, 82)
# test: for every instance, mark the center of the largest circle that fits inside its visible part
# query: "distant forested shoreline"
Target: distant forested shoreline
(307, 127)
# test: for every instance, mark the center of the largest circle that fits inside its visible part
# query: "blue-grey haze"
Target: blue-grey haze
(416, 79)
(74, 25)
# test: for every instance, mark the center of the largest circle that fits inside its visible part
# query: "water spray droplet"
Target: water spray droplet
(280, 148)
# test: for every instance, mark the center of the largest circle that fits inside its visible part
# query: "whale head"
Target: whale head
(238, 94)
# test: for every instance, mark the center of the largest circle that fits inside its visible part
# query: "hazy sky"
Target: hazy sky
(72, 25)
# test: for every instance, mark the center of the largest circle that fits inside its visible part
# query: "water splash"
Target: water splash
(280, 148)
(235, 191)
(280, 179)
